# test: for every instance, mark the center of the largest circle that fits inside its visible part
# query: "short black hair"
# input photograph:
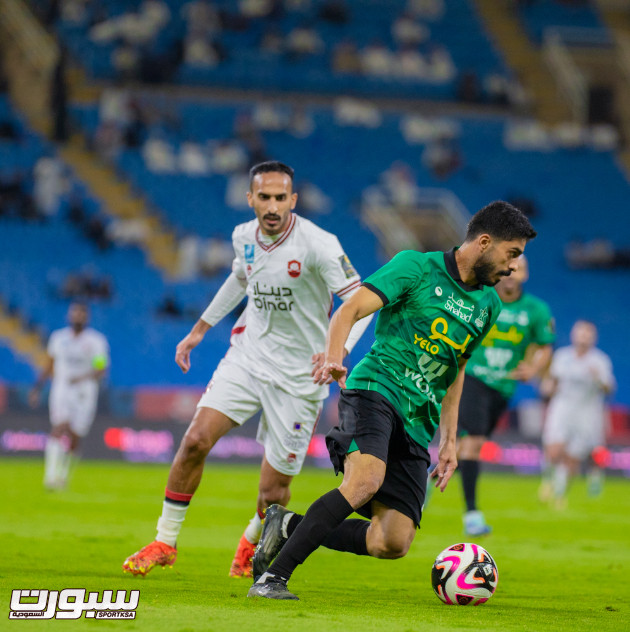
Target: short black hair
(501, 221)
(270, 166)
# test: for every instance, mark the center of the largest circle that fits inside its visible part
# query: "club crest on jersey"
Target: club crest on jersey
(294, 268)
(481, 320)
(249, 253)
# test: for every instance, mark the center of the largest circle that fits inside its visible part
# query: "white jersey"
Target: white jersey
(577, 413)
(579, 377)
(290, 286)
(74, 356)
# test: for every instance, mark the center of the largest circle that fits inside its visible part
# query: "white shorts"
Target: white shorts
(287, 422)
(579, 430)
(74, 406)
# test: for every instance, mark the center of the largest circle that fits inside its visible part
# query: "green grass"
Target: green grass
(558, 571)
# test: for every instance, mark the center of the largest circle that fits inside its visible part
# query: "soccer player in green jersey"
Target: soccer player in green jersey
(435, 307)
(517, 348)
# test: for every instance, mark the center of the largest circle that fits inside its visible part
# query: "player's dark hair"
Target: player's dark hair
(501, 221)
(270, 166)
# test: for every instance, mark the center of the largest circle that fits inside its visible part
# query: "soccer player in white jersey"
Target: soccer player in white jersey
(289, 270)
(78, 357)
(580, 378)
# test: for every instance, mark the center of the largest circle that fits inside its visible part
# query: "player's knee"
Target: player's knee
(196, 445)
(392, 546)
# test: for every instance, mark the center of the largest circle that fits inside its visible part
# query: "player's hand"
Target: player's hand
(330, 370)
(34, 396)
(447, 464)
(318, 362)
(182, 352)
(523, 372)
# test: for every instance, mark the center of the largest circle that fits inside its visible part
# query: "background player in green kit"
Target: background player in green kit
(518, 347)
(435, 307)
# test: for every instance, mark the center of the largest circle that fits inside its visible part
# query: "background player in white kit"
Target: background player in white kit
(289, 269)
(580, 378)
(78, 357)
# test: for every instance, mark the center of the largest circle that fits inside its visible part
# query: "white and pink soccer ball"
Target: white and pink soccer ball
(464, 575)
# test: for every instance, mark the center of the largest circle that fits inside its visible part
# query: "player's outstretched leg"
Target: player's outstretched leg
(273, 537)
(154, 554)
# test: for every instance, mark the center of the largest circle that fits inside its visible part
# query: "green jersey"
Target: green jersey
(430, 319)
(522, 322)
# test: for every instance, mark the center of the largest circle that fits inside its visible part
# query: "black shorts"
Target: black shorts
(377, 429)
(480, 408)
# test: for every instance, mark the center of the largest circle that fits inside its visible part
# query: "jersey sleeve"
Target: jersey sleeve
(53, 345)
(544, 329)
(238, 263)
(397, 277)
(100, 352)
(335, 267)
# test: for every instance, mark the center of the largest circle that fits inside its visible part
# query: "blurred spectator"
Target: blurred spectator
(170, 307)
(199, 51)
(49, 184)
(596, 253)
(431, 10)
(86, 284)
(303, 41)
(59, 99)
(108, 141)
(411, 64)
(216, 254)
(523, 203)
(407, 31)
(228, 156)
(312, 200)
(201, 17)
(442, 156)
(301, 123)
(192, 159)
(128, 232)
(159, 156)
(96, 231)
(272, 42)
(334, 11)
(469, 88)
(346, 58)
(440, 63)
(377, 60)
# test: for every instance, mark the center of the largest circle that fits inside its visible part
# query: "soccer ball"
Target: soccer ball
(464, 575)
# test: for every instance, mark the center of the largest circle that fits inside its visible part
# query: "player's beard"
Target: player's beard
(485, 270)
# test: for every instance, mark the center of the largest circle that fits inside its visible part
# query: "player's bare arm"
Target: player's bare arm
(361, 304)
(447, 455)
(536, 362)
(44, 376)
(188, 343)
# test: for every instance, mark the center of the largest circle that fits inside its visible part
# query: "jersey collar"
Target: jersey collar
(275, 244)
(451, 267)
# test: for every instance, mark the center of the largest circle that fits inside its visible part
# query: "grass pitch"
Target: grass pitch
(557, 571)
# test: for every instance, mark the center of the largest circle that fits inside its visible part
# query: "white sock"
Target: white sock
(170, 522)
(254, 529)
(560, 480)
(53, 454)
(67, 460)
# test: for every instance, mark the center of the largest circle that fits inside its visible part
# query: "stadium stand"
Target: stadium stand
(381, 47)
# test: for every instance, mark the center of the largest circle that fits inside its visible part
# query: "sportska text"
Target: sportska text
(71, 603)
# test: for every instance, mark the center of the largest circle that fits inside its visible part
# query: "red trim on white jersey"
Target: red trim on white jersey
(285, 234)
(348, 288)
(238, 330)
(332, 302)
